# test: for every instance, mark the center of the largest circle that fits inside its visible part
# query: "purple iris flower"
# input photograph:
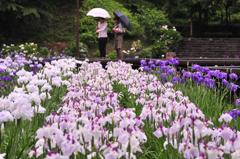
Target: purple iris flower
(6, 78)
(187, 74)
(146, 68)
(210, 83)
(157, 62)
(2, 70)
(165, 68)
(225, 82)
(211, 73)
(233, 87)
(196, 74)
(150, 62)
(204, 69)
(163, 63)
(197, 77)
(143, 63)
(216, 73)
(153, 66)
(173, 61)
(234, 113)
(224, 75)
(207, 76)
(233, 76)
(196, 67)
(170, 71)
(221, 75)
(237, 102)
(176, 80)
(163, 77)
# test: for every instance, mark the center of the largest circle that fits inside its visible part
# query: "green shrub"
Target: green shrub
(27, 48)
(43, 51)
(112, 55)
(158, 50)
(151, 20)
(7, 49)
(235, 17)
(97, 54)
(146, 53)
(72, 49)
(167, 41)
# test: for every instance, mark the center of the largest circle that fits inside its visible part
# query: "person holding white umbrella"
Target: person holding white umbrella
(102, 28)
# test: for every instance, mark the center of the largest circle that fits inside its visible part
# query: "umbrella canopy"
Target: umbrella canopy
(98, 13)
(123, 19)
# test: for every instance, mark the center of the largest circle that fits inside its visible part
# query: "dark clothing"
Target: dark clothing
(102, 43)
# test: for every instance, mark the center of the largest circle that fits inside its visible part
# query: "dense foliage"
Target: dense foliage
(37, 21)
(221, 11)
(45, 21)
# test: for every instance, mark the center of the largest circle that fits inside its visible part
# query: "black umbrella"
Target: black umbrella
(123, 19)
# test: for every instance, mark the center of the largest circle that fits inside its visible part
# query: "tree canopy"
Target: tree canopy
(220, 11)
(54, 20)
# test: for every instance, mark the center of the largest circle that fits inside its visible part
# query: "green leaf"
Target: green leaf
(9, 6)
(30, 11)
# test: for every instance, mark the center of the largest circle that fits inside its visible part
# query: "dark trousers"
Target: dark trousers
(102, 43)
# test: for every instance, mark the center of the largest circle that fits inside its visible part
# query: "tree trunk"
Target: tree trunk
(229, 15)
(222, 17)
(200, 16)
(226, 14)
(77, 28)
(205, 16)
(191, 28)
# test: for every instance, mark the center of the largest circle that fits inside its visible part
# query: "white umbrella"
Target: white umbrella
(98, 12)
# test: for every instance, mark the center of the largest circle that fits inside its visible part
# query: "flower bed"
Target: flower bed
(174, 118)
(118, 112)
(212, 90)
(90, 123)
(33, 96)
(181, 123)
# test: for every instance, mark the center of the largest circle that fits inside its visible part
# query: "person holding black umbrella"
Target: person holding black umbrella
(120, 22)
(118, 37)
